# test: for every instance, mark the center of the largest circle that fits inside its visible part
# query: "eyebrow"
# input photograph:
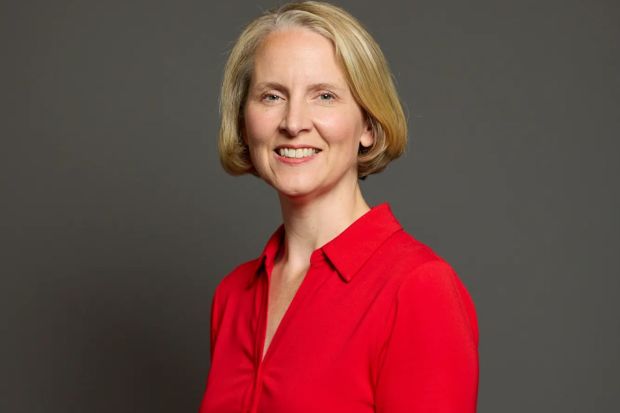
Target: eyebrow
(314, 86)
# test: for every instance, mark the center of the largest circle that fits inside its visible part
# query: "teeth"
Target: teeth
(296, 153)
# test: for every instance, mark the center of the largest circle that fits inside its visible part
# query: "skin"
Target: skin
(299, 97)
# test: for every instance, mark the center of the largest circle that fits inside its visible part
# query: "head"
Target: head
(363, 65)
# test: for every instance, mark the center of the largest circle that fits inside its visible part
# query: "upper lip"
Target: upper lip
(297, 146)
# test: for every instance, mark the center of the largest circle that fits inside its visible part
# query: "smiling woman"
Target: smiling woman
(308, 111)
(358, 56)
(343, 311)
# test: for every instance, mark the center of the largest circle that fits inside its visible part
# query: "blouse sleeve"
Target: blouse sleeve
(214, 322)
(430, 360)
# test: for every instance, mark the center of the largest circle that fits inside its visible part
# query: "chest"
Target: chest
(282, 288)
(300, 347)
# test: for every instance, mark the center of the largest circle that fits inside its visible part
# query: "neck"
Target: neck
(311, 223)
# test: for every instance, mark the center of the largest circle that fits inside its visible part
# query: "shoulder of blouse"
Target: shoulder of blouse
(406, 254)
(424, 275)
(238, 278)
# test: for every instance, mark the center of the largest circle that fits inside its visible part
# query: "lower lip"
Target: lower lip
(295, 161)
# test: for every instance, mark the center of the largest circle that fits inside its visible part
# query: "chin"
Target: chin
(296, 187)
(295, 191)
(291, 184)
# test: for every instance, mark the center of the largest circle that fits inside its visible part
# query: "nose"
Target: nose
(296, 118)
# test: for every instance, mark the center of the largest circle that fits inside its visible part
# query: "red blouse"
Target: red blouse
(379, 324)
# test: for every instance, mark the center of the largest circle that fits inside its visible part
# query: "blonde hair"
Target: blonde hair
(364, 66)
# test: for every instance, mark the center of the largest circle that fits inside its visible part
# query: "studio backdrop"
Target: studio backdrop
(117, 222)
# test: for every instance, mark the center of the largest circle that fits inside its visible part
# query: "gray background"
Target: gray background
(116, 222)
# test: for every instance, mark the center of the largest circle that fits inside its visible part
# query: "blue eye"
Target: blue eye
(327, 96)
(271, 97)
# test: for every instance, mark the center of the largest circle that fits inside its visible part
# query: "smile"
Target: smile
(297, 152)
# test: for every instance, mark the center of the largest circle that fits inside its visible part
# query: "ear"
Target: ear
(367, 139)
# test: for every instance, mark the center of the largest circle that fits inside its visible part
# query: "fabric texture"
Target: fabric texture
(380, 323)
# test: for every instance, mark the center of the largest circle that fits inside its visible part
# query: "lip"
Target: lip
(297, 146)
(295, 161)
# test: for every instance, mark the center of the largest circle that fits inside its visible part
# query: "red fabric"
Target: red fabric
(379, 324)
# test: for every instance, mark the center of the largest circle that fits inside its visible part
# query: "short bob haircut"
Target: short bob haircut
(363, 64)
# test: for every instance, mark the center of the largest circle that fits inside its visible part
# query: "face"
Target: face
(301, 123)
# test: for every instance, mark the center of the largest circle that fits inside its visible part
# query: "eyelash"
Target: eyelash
(324, 96)
(269, 96)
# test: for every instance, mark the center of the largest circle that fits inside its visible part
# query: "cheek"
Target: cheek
(258, 125)
(258, 130)
(341, 129)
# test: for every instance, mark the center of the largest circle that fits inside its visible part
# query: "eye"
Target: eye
(270, 97)
(327, 96)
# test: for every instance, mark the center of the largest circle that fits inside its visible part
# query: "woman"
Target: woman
(343, 311)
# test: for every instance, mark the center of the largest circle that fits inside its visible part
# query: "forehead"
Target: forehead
(296, 54)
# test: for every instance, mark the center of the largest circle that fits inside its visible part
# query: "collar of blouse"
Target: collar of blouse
(348, 251)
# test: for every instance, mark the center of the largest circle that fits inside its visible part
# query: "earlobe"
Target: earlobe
(368, 136)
